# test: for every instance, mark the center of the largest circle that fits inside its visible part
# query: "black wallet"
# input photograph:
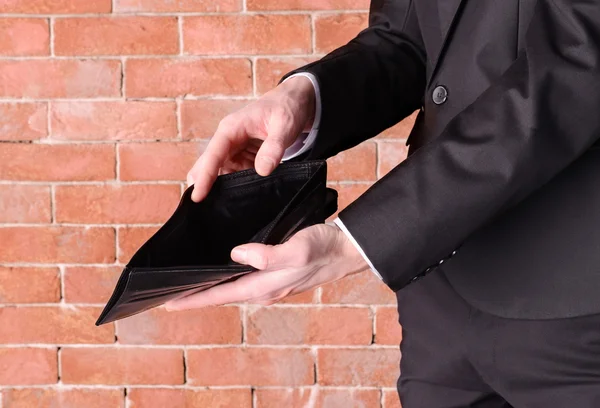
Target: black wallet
(191, 251)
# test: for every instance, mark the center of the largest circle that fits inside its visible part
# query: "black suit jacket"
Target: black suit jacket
(509, 98)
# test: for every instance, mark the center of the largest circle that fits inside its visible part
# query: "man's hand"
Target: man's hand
(257, 135)
(314, 256)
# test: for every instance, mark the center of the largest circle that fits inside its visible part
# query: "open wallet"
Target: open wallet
(191, 251)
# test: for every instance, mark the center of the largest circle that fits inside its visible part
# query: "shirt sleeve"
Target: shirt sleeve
(305, 141)
(341, 225)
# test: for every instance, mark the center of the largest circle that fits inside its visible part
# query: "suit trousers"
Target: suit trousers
(456, 356)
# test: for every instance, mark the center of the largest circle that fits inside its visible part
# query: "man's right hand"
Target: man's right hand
(256, 135)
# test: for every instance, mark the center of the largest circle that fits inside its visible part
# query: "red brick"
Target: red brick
(29, 285)
(134, 35)
(360, 288)
(26, 366)
(42, 162)
(130, 120)
(157, 161)
(253, 34)
(87, 284)
(390, 155)
(387, 328)
(347, 193)
(60, 78)
(285, 5)
(178, 6)
(391, 399)
(270, 71)
(64, 398)
(199, 119)
(24, 36)
(250, 366)
(311, 325)
(23, 121)
(356, 164)
(400, 130)
(55, 6)
(57, 244)
(316, 398)
(333, 31)
(24, 203)
(131, 239)
(53, 325)
(310, 296)
(179, 398)
(113, 366)
(116, 204)
(358, 367)
(179, 77)
(213, 325)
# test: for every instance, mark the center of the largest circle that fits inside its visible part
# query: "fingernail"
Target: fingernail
(239, 254)
(267, 163)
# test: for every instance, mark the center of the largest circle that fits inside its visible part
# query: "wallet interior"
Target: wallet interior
(238, 210)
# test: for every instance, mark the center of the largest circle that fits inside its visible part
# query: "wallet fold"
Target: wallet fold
(191, 251)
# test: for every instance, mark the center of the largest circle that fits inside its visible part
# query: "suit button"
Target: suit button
(440, 94)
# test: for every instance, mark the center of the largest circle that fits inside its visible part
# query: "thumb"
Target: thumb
(269, 155)
(258, 256)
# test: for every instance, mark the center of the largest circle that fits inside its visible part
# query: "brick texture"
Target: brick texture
(277, 33)
(279, 325)
(60, 325)
(24, 37)
(29, 285)
(21, 203)
(27, 366)
(104, 107)
(116, 36)
(180, 6)
(138, 204)
(113, 121)
(115, 366)
(49, 78)
(157, 161)
(176, 398)
(23, 121)
(55, 6)
(203, 326)
(250, 366)
(64, 398)
(180, 77)
(317, 398)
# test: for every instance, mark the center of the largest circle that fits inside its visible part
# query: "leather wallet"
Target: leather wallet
(191, 251)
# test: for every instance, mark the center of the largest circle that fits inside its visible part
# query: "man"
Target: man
(501, 167)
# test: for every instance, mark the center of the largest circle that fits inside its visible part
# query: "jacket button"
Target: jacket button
(440, 94)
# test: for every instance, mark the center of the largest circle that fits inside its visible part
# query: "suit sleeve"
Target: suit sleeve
(537, 118)
(371, 83)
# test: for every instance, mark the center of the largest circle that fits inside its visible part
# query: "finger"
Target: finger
(246, 288)
(263, 257)
(271, 151)
(206, 169)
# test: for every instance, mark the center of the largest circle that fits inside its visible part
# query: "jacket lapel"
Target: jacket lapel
(448, 11)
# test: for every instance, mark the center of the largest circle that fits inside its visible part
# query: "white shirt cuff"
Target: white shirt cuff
(341, 225)
(305, 141)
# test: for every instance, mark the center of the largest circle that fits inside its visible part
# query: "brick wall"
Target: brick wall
(104, 106)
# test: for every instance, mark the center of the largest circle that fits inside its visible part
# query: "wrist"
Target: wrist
(300, 91)
(353, 261)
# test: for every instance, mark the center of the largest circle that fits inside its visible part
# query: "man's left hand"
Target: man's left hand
(314, 256)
